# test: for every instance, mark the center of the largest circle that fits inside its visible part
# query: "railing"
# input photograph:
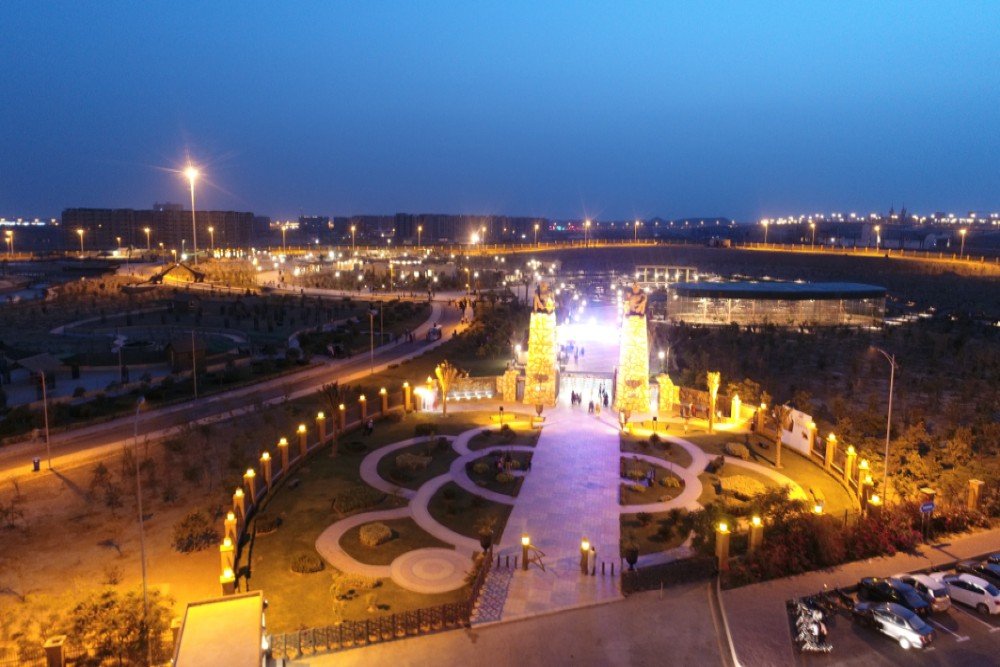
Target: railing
(353, 634)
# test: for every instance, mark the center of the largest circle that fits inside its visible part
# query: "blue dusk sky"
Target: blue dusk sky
(560, 109)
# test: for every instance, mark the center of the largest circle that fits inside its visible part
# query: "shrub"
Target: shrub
(644, 518)
(507, 434)
(266, 523)
(737, 450)
(504, 478)
(374, 534)
(715, 465)
(424, 429)
(670, 482)
(357, 497)
(412, 462)
(654, 439)
(194, 533)
(307, 563)
(481, 467)
(741, 486)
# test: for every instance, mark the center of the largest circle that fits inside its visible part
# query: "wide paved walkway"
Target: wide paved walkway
(570, 493)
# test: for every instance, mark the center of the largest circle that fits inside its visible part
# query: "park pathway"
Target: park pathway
(570, 493)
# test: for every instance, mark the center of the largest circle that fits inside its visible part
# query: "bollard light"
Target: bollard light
(817, 509)
(875, 500)
(755, 521)
(525, 543)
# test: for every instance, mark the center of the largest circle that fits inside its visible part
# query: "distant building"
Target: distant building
(169, 224)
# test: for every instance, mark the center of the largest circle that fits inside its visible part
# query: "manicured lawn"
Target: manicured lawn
(708, 482)
(523, 437)
(656, 534)
(662, 450)
(488, 478)
(454, 507)
(637, 493)
(440, 453)
(407, 536)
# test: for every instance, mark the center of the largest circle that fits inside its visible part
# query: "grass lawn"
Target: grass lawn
(653, 535)
(454, 507)
(523, 437)
(708, 482)
(441, 455)
(637, 493)
(407, 536)
(675, 454)
(488, 479)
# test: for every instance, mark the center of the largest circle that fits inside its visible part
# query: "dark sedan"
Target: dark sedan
(877, 589)
(988, 570)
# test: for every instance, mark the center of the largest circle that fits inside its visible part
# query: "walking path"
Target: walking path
(571, 493)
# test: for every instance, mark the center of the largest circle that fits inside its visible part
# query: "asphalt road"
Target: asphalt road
(82, 446)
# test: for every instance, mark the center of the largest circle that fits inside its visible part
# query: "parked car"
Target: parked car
(993, 558)
(984, 570)
(930, 589)
(877, 589)
(896, 622)
(971, 590)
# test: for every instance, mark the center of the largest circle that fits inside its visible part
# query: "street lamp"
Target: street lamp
(878, 236)
(635, 231)
(891, 358)
(79, 232)
(536, 233)
(142, 537)
(10, 241)
(420, 231)
(192, 175)
(662, 356)
(353, 229)
(765, 223)
(962, 233)
(147, 230)
(813, 226)
(284, 228)
(211, 234)
(586, 232)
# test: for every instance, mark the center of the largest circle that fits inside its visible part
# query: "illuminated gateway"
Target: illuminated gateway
(779, 304)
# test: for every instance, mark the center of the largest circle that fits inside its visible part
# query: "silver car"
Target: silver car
(930, 589)
(896, 622)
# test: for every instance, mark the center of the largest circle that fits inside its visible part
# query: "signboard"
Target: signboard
(927, 507)
(797, 437)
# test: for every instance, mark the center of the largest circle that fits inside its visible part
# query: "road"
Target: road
(81, 446)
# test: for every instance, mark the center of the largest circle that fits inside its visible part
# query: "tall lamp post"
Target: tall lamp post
(878, 236)
(353, 229)
(79, 232)
(813, 226)
(211, 235)
(147, 230)
(962, 233)
(891, 358)
(635, 231)
(10, 242)
(142, 532)
(192, 175)
(420, 231)
(586, 233)
(765, 223)
(536, 234)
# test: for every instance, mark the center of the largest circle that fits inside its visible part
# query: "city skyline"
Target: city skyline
(730, 110)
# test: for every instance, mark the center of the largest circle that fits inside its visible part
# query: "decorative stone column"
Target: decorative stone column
(230, 524)
(384, 395)
(303, 440)
(722, 546)
(250, 481)
(321, 427)
(228, 582)
(974, 493)
(811, 437)
(55, 651)
(734, 408)
(632, 380)
(283, 449)
(852, 456)
(407, 398)
(756, 533)
(239, 506)
(666, 394)
(265, 468)
(341, 417)
(227, 553)
(831, 451)
(363, 402)
(508, 385)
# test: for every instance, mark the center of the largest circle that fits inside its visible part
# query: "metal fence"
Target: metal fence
(353, 634)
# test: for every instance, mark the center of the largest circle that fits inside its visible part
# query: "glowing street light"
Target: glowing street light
(211, 234)
(662, 356)
(147, 230)
(765, 223)
(635, 231)
(536, 233)
(586, 232)
(878, 236)
(962, 233)
(192, 176)
(420, 231)
(9, 234)
(813, 225)
(284, 228)
(79, 232)
(353, 230)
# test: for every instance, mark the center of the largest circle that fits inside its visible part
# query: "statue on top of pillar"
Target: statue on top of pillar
(544, 301)
(636, 302)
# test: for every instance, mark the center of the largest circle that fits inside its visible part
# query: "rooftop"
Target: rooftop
(774, 290)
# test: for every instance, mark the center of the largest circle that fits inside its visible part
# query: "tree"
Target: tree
(782, 416)
(713, 379)
(113, 627)
(446, 376)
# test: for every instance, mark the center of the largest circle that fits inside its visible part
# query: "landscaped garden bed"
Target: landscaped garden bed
(404, 535)
(466, 513)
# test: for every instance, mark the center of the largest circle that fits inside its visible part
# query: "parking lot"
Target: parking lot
(963, 637)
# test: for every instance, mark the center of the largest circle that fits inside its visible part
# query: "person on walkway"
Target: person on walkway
(590, 408)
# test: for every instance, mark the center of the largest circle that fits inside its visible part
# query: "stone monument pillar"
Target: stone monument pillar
(541, 371)
(407, 398)
(632, 381)
(667, 395)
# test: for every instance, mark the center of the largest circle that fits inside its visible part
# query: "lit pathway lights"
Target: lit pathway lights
(852, 456)
(230, 524)
(250, 481)
(226, 554)
(722, 546)
(265, 468)
(341, 417)
(363, 402)
(756, 533)
(303, 440)
(283, 448)
(228, 582)
(321, 427)
(407, 398)
(831, 451)
(525, 545)
(384, 395)
(584, 554)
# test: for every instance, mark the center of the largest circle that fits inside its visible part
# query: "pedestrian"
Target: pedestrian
(590, 408)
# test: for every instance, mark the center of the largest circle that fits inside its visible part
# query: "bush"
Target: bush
(504, 478)
(265, 523)
(425, 429)
(194, 533)
(307, 563)
(412, 462)
(737, 450)
(741, 486)
(644, 518)
(357, 497)
(715, 465)
(374, 534)
(507, 434)
(670, 482)
(481, 467)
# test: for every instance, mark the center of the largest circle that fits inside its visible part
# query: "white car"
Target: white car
(930, 589)
(971, 590)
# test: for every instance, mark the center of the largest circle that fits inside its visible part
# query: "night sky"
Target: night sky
(525, 108)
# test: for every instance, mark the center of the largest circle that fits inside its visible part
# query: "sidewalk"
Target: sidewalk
(756, 613)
